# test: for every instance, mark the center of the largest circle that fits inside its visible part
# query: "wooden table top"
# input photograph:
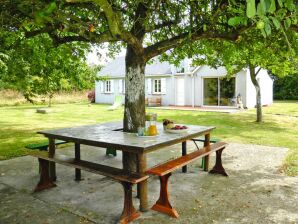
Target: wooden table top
(108, 135)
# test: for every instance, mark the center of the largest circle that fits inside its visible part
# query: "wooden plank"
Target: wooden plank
(172, 165)
(111, 172)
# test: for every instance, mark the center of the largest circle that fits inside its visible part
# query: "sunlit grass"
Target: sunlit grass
(19, 124)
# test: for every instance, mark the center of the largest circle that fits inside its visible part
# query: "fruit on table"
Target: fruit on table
(166, 122)
(170, 125)
(179, 127)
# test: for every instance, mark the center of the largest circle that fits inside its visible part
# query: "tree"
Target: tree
(146, 28)
(36, 67)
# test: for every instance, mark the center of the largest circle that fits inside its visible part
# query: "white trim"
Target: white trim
(108, 86)
(149, 86)
(156, 86)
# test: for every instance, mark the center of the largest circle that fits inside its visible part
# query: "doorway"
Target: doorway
(218, 91)
(180, 93)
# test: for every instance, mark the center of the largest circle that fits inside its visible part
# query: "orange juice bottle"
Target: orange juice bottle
(152, 130)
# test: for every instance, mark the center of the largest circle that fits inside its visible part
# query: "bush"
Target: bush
(91, 96)
(286, 88)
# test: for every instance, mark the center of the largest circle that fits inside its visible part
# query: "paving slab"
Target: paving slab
(254, 192)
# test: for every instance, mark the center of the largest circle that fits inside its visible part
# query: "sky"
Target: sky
(98, 56)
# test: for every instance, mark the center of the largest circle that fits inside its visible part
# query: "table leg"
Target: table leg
(77, 158)
(206, 158)
(184, 152)
(143, 186)
(52, 165)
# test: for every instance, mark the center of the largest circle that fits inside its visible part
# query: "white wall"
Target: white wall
(168, 97)
(241, 86)
(266, 85)
(107, 98)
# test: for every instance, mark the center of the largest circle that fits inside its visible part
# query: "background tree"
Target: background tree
(286, 88)
(36, 67)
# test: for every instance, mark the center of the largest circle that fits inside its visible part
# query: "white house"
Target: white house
(186, 85)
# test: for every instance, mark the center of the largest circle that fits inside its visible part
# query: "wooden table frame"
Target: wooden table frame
(141, 156)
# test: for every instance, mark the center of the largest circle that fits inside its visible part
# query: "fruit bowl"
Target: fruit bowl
(177, 129)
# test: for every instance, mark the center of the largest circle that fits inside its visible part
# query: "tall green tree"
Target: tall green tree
(146, 28)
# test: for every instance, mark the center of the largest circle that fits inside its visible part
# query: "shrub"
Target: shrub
(286, 88)
(91, 96)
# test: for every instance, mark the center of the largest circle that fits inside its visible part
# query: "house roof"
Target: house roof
(116, 68)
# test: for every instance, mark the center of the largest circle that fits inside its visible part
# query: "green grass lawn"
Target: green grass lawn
(18, 125)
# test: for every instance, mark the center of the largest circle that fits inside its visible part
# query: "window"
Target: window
(108, 86)
(157, 85)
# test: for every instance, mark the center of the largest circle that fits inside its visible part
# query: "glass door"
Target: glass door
(218, 91)
(211, 91)
(227, 91)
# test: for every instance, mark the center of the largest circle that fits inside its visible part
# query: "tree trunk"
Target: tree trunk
(50, 100)
(134, 110)
(258, 93)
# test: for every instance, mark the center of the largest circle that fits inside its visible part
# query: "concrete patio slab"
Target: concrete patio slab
(254, 192)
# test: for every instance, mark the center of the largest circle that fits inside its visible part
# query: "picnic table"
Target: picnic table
(111, 135)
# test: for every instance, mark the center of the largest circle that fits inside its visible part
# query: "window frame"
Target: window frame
(108, 86)
(157, 86)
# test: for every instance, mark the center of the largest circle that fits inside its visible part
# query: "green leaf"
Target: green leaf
(287, 23)
(272, 7)
(290, 5)
(280, 2)
(267, 28)
(263, 33)
(261, 8)
(50, 8)
(275, 22)
(251, 8)
(235, 21)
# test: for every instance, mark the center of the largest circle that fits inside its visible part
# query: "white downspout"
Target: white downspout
(193, 90)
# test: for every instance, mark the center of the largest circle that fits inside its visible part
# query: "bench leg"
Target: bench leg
(52, 171)
(218, 168)
(45, 181)
(78, 176)
(163, 204)
(129, 213)
(206, 158)
(184, 152)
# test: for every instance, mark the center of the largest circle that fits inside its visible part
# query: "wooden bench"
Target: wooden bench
(165, 170)
(44, 147)
(127, 180)
(202, 139)
(153, 101)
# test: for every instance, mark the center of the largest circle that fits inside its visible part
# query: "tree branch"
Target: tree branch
(163, 46)
(116, 27)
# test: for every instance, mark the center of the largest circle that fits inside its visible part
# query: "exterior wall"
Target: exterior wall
(107, 98)
(194, 88)
(167, 97)
(241, 86)
(266, 85)
(205, 72)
